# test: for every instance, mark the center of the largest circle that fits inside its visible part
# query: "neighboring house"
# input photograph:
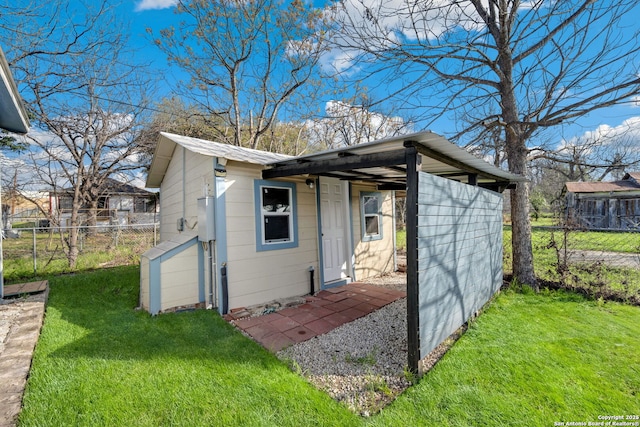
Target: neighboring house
(241, 227)
(120, 203)
(26, 206)
(604, 205)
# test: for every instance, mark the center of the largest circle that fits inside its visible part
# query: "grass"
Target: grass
(544, 220)
(532, 360)
(100, 362)
(528, 360)
(604, 241)
(96, 251)
(590, 277)
(401, 239)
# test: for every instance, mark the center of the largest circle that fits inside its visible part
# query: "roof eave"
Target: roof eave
(13, 115)
(160, 161)
(427, 143)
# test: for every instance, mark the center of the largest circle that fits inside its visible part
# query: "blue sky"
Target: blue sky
(158, 14)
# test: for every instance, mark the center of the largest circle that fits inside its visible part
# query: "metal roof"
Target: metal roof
(168, 141)
(633, 175)
(439, 157)
(13, 115)
(602, 187)
(112, 187)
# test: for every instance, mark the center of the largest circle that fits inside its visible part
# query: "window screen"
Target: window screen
(370, 209)
(276, 214)
(372, 228)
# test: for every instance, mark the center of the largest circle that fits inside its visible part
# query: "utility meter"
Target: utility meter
(206, 223)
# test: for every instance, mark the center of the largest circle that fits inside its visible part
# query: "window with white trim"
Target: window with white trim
(276, 226)
(371, 215)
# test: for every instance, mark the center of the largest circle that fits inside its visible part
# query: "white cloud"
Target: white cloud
(339, 61)
(605, 141)
(381, 24)
(629, 127)
(155, 5)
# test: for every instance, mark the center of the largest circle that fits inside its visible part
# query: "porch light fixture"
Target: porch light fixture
(310, 183)
(220, 170)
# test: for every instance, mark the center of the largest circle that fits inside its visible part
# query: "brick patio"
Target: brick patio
(321, 313)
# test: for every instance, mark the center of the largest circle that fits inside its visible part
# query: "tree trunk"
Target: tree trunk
(72, 239)
(92, 218)
(72, 255)
(521, 248)
(516, 148)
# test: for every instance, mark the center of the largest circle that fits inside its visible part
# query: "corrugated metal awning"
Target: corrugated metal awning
(383, 162)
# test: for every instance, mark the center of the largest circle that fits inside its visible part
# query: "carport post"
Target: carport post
(413, 338)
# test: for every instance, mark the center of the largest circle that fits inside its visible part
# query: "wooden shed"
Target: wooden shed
(604, 204)
(273, 226)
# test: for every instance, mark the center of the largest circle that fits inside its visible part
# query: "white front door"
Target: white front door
(335, 225)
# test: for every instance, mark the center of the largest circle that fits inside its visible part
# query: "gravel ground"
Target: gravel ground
(360, 363)
(363, 363)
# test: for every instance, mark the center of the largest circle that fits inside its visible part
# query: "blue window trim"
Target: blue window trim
(257, 185)
(367, 237)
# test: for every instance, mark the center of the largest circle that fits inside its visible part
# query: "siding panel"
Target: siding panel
(179, 274)
(174, 190)
(459, 255)
(375, 257)
(254, 277)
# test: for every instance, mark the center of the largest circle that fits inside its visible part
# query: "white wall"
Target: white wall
(179, 278)
(145, 280)
(183, 184)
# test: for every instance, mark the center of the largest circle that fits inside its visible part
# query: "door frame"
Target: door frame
(349, 251)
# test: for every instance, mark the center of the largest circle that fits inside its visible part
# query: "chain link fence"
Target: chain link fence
(601, 263)
(30, 253)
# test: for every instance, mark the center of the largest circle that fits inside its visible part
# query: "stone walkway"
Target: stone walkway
(20, 323)
(320, 314)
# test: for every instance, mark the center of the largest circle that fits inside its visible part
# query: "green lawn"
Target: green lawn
(528, 360)
(96, 251)
(401, 240)
(592, 277)
(532, 360)
(99, 362)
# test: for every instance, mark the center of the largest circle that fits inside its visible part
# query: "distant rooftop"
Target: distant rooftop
(630, 182)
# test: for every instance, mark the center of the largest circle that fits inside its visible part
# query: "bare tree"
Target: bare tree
(509, 65)
(86, 109)
(174, 116)
(287, 138)
(246, 59)
(596, 155)
(49, 30)
(351, 122)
